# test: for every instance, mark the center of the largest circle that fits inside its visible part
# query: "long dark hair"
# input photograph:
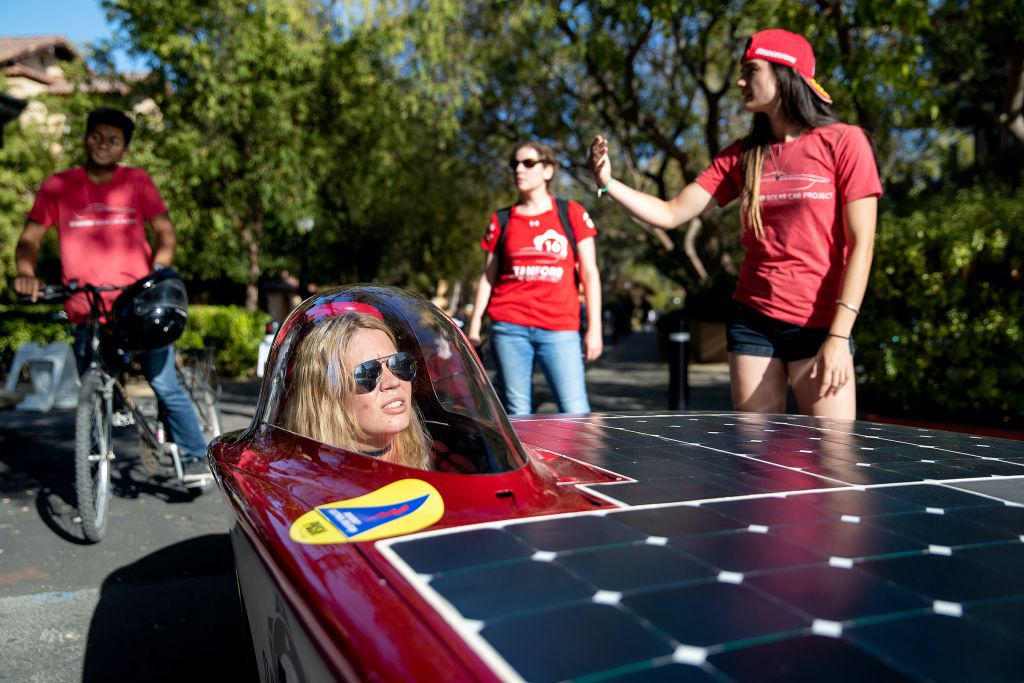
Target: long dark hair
(801, 106)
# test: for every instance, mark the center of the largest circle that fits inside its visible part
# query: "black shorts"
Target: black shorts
(750, 333)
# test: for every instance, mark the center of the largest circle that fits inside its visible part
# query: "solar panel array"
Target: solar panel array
(748, 548)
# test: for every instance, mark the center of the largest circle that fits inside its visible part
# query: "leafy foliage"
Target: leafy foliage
(27, 157)
(234, 332)
(395, 206)
(39, 323)
(233, 83)
(276, 114)
(941, 332)
(385, 125)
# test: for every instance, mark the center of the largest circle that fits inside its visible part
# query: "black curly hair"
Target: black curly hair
(110, 117)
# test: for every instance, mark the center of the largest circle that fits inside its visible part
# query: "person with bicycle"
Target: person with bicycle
(101, 210)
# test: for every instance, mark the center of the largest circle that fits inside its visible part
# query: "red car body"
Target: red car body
(622, 547)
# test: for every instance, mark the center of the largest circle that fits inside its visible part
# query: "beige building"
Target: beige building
(32, 66)
(35, 66)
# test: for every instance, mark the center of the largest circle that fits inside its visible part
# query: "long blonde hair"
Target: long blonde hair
(321, 385)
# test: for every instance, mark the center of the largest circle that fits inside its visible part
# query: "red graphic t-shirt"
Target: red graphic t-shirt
(537, 286)
(795, 271)
(102, 228)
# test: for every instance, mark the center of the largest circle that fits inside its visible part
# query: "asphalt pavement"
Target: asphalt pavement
(156, 599)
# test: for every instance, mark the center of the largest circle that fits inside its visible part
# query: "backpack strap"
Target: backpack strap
(563, 216)
(499, 247)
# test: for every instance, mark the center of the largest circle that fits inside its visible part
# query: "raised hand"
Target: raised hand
(600, 164)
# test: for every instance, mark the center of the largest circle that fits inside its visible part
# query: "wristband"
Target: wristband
(847, 306)
(602, 190)
(838, 336)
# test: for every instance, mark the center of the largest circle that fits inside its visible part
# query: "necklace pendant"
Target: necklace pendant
(778, 176)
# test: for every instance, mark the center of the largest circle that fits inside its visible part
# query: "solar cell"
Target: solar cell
(749, 548)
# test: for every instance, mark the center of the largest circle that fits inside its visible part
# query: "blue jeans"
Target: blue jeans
(560, 355)
(158, 369)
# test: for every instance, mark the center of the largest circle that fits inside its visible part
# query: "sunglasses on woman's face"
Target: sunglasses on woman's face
(368, 373)
(528, 163)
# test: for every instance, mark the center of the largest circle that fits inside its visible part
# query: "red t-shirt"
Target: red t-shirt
(795, 271)
(102, 228)
(537, 286)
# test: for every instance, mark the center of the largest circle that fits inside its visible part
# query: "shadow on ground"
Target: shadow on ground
(174, 615)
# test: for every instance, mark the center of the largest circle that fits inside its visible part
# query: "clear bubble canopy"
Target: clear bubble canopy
(470, 430)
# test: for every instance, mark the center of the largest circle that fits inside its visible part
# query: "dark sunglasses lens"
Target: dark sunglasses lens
(403, 365)
(367, 376)
(528, 163)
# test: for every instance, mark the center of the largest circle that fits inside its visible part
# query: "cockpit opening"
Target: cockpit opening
(418, 398)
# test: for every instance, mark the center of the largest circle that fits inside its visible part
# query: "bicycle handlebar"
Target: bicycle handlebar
(47, 294)
(60, 292)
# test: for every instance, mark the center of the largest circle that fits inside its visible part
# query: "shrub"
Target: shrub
(234, 332)
(940, 336)
(40, 323)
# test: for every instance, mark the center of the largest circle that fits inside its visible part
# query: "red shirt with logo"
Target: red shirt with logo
(537, 284)
(101, 227)
(795, 271)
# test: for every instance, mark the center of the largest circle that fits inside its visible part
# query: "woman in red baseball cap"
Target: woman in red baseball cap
(808, 188)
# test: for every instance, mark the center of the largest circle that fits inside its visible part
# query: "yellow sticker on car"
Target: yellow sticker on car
(401, 507)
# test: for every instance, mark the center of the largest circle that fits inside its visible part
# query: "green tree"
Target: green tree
(658, 77)
(36, 146)
(978, 60)
(30, 153)
(233, 83)
(397, 189)
(276, 114)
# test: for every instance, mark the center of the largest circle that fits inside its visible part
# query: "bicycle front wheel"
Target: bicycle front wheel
(94, 450)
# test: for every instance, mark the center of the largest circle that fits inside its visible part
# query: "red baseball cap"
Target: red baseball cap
(789, 49)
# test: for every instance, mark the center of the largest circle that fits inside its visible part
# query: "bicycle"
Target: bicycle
(197, 373)
(104, 403)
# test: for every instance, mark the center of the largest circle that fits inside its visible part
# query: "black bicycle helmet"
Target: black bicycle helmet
(150, 313)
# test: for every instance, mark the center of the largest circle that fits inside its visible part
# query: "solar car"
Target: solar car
(674, 546)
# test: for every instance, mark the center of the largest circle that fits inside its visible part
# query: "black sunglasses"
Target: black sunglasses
(528, 163)
(368, 373)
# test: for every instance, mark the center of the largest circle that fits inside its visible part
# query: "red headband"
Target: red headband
(328, 309)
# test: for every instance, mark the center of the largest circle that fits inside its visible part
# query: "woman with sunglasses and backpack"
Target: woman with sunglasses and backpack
(352, 388)
(530, 289)
(808, 188)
